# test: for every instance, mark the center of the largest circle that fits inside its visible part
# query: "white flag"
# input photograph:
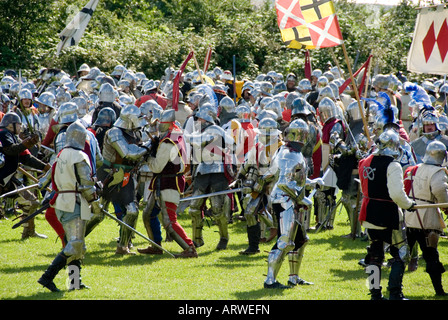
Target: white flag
(429, 48)
(73, 32)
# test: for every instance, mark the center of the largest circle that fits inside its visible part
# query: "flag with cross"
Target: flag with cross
(308, 24)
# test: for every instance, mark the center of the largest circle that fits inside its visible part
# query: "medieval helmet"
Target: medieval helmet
(297, 131)
(266, 88)
(25, 94)
(268, 131)
(207, 112)
(305, 84)
(106, 93)
(389, 144)
(68, 112)
(227, 104)
(106, 116)
(327, 109)
(300, 107)
(9, 121)
(326, 92)
(429, 118)
(75, 136)
(381, 81)
(290, 99)
(266, 114)
(129, 118)
(435, 153)
(353, 112)
(84, 67)
(83, 106)
(264, 101)
(166, 120)
(243, 112)
(275, 106)
(47, 98)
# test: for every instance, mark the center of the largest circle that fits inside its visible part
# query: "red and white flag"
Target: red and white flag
(308, 24)
(429, 48)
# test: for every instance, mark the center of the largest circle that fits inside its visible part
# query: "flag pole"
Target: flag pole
(355, 89)
(197, 65)
(366, 89)
(336, 61)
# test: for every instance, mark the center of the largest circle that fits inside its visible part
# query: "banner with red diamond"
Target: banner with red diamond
(429, 48)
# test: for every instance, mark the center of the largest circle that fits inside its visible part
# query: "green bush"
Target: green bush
(150, 36)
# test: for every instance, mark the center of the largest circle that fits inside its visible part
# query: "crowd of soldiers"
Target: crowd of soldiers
(287, 151)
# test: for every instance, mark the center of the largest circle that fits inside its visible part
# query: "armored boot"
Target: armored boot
(47, 278)
(76, 283)
(275, 260)
(130, 219)
(295, 261)
(253, 234)
(29, 230)
(222, 223)
(197, 223)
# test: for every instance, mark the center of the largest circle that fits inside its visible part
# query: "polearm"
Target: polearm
(19, 190)
(135, 231)
(431, 205)
(217, 193)
(31, 177)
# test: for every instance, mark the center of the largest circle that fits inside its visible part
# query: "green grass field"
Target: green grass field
(330, 262)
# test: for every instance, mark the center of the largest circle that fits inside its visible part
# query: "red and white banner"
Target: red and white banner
(308, 24)
(429, 48)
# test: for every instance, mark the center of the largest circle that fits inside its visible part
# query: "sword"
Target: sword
(46, 148)
(31, 216)
(135, 231)
(20, 189)
(217, 193)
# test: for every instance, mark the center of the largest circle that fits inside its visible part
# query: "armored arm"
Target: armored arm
(86, 185)
(124, 149)
(292, 176)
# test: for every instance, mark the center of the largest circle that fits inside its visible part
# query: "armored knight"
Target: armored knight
(74, 202)
(383, 197)
(210, 151)
(428, 185)
(430, 132)
(255, 203)
(122, 154)
(288, 170)
(167, 161)
(325, 197)
(346, 154)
